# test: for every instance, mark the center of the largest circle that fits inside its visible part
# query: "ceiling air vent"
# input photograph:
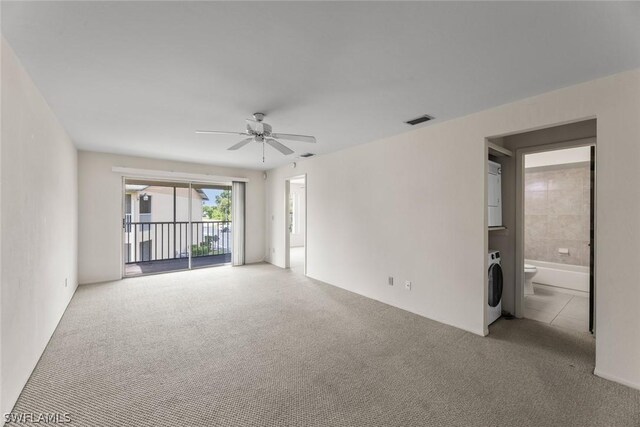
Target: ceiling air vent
(419, 120)
(307, 155)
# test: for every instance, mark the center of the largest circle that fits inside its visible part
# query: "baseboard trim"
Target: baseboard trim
(479, 332)
(615, 379)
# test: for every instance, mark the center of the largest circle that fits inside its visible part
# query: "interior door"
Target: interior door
(592, 278)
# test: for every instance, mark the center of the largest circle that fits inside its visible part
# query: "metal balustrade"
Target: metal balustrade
(156, 241)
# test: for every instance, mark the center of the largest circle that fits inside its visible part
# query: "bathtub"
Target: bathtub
(574, 277)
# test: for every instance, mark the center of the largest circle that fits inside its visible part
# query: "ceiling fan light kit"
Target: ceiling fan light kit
(260, 132)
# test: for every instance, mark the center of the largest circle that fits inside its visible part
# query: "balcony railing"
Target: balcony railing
(155, 241)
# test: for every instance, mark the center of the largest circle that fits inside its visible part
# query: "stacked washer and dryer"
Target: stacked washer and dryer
(494, 182)
(494, 303)
(494, 306)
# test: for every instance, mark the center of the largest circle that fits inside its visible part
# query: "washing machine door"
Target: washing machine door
(495, 284)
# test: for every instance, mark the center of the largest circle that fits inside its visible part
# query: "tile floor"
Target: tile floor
(564, 309)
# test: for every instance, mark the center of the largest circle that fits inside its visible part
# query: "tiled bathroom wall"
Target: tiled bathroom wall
(557, 213)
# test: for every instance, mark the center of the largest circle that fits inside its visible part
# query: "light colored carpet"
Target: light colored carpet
(260, 346)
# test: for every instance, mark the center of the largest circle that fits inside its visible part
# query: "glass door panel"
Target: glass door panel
(211, 227)
(155, 231)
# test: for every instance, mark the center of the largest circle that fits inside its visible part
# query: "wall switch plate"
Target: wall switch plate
(390, 280)
(407, 285)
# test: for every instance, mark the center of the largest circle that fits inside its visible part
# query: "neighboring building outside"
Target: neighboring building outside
(154, 230)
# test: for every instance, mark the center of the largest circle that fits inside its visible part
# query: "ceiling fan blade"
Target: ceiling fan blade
(281, 148)
(217, 132)
(292, 137)
(240, 144)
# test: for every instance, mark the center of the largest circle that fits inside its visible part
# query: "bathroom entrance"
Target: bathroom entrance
(558, 222)
(548, 223)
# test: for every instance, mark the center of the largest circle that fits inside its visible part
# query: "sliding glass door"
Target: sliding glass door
(170, 226)
(211, 234)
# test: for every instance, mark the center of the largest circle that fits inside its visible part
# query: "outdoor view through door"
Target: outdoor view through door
(171, 226)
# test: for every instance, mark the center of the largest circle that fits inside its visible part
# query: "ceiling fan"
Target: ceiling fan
(260, 132)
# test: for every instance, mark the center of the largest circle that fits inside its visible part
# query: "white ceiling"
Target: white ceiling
(139, 77)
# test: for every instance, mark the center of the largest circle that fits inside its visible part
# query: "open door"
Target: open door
(592, 235)
(558, 225)
(296, 222)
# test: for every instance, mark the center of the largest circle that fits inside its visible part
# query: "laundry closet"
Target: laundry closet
(522, 234)
(496, 279)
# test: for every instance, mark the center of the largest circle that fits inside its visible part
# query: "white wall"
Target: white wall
(100, 210)
(413, 206)
(39, 226)
(387, 209)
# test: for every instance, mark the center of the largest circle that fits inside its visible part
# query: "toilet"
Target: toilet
(529, 272)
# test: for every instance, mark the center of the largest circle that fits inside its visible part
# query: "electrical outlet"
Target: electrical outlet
(390, 281)
(407, 285)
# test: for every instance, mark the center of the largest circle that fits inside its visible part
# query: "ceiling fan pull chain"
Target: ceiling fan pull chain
(262, 152)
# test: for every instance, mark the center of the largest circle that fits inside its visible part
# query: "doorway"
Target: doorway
(172, 226)
(558, 224)
(296, 221)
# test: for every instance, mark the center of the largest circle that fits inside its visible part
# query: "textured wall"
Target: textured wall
(100, 210)
(556, 209)
(39, 226)
(431, 181)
